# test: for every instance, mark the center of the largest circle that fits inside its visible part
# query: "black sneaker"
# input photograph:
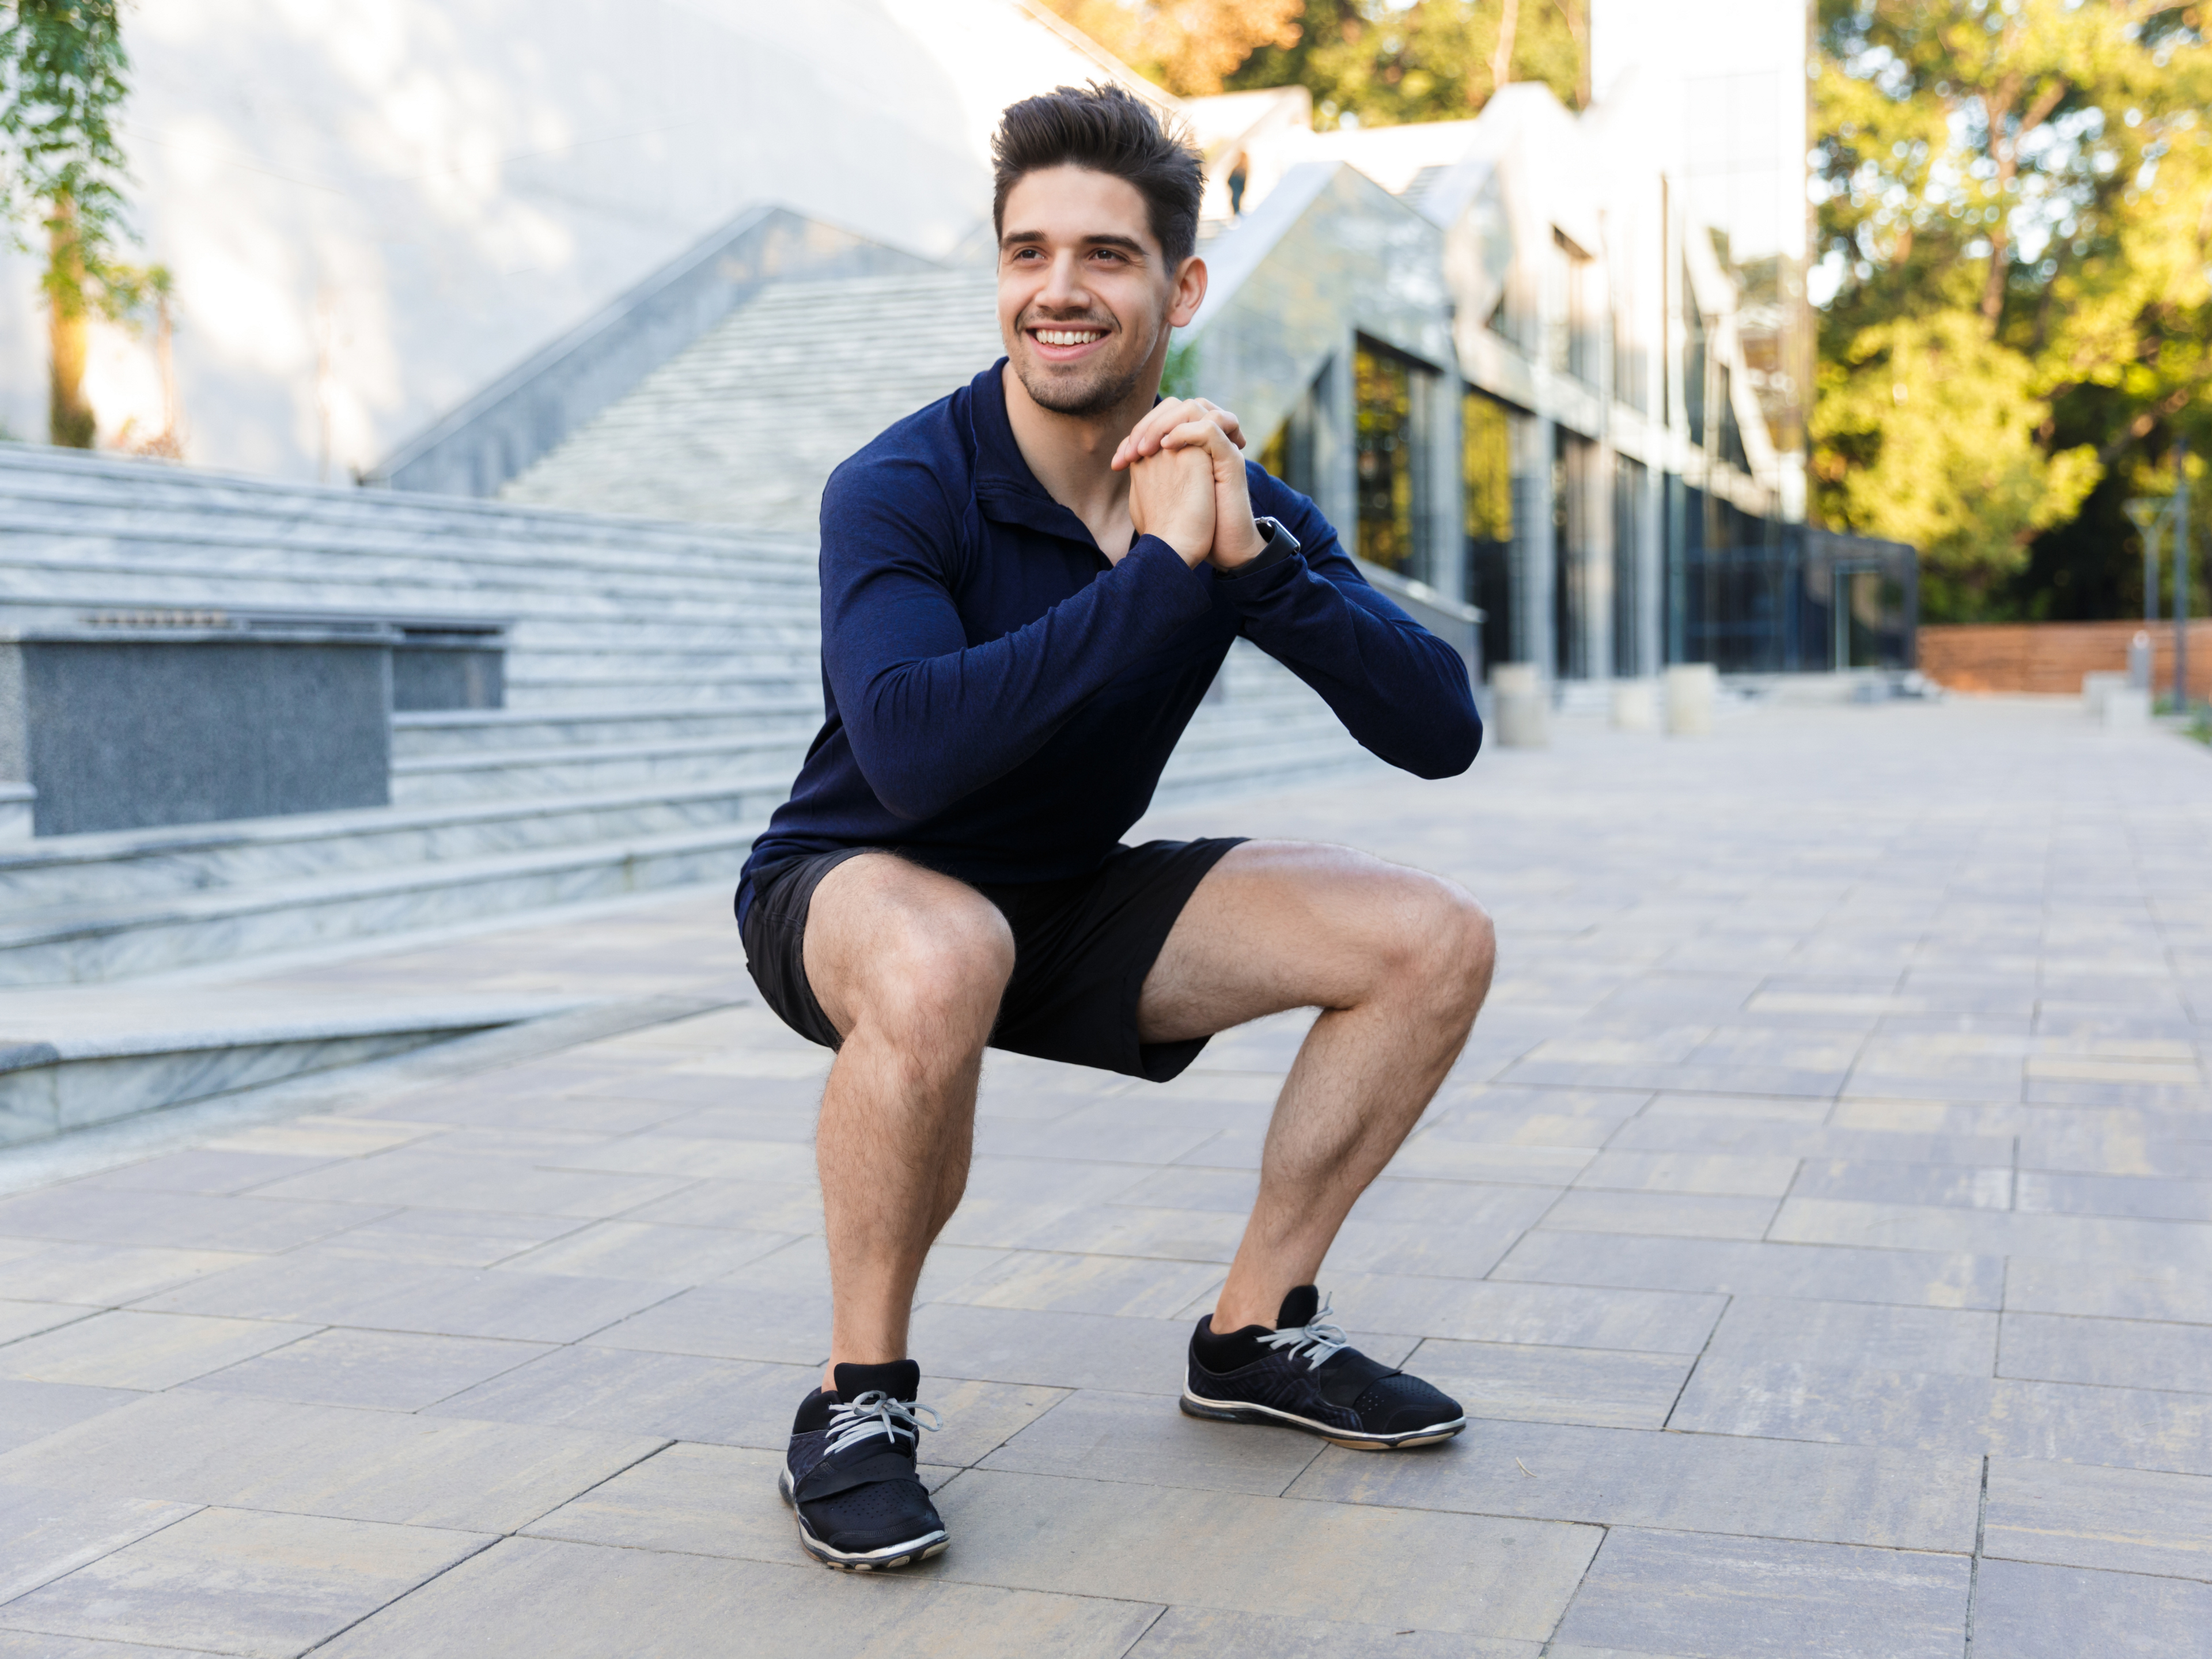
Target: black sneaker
(849, 1475)
(1305, 1375)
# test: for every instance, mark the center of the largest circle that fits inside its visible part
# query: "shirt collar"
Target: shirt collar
(1006, 489)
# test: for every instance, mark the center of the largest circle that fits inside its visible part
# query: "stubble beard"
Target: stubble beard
(1098, 389)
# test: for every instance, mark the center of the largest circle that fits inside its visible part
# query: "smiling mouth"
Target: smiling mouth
(1067, 337)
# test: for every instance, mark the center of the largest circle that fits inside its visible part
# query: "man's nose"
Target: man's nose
(1064, 285)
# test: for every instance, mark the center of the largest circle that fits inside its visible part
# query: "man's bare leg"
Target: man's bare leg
(909, 966)
(1398, 961)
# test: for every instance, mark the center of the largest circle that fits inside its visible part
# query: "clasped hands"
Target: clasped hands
(1186, 484)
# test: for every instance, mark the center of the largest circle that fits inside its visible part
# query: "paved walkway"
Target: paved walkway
(1817, 1231)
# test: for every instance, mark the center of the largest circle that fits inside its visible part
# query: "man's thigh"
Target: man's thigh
(881, 931)
(1281, 924)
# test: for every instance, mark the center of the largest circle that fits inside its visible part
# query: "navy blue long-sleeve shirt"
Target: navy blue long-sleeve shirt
(1001, 697)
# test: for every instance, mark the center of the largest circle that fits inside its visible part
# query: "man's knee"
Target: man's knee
(1443, 948)
(938, 974)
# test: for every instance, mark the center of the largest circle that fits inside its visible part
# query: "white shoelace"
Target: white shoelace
(1316, 1340)
(876, 1413)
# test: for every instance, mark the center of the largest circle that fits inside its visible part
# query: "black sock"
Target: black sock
(1229, 1351)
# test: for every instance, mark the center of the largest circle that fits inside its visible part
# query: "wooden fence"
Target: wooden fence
(2052, 656)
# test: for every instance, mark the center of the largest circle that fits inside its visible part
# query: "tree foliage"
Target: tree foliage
(62, 69)
(2015, 209)
(1383, 65)
(1185, 46)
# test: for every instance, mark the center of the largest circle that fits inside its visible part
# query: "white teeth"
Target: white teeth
(1067, 336)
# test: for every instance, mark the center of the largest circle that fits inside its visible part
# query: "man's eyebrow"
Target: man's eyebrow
(1100, 239)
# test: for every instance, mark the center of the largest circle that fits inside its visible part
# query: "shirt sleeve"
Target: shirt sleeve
(1399, 689)
(931, 717)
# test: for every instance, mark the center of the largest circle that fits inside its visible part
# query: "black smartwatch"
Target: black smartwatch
(1281, 545)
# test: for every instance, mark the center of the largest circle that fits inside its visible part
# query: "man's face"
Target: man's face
(1085, 296)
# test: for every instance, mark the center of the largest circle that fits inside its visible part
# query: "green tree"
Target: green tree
(1187, 46)
(62, 69)
(1384, 64)
(2016, 205)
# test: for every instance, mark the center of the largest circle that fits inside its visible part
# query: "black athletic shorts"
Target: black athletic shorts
(1082, 948)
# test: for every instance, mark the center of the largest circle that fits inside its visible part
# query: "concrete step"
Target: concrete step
(97, 1061)
(607, 686)
(72, 873)
(94, 944)
(422, 736)
(760, 765)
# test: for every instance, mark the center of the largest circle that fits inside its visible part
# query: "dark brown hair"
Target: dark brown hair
(1109, 130)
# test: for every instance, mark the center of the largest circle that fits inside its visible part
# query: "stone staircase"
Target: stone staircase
(663, 683)
(744, 425)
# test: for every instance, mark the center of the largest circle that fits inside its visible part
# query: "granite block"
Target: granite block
(84, 1213)
(2142, 1197)
(1675, 1215)
(236, 1582)
(1465, 1573)
(1675, 1482)
(131, 1350)
(196, 1447)
(2121, 1520)
(448, 1238)
(2136, 1291)
(1744, 1598)
(1925, 1227)
(1962, 1186)
(2027, 1611)
(725, 1322)
(764, 1206)
(643, 1252)
(1720, 1174)
(379, 1369)
(1059, 1282)
(667, 1396)
(561, 1601)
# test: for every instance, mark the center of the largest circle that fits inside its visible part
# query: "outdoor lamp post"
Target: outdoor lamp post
(2181, 576)
(2145, 514)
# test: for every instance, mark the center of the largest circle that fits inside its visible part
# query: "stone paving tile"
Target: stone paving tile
(2036, 1284)
(641, 1251)
(1052, 1350)
(2035, 1611)
(1186, 1633)
(1916, 1278)
(670, 1395)
(31, 1411)
(801, 1268)
(46, 1531)
(545, 1599)
(207, 1170)
(2115, 1353)
(2143, 1198)
(1469, 1573)
(1554, 1385)
(1934, 1411)
(1059, 1282)
(1953, 1185)
(128, 1349)
(1738, 1598)
(1679, 1482)
(190, 1221)
(2125, 1520)
(447, 1238)
(265, 1585)
(768, 1206)
(725, 1322)
(1661, 1215)
(21, 1319)
(1719, 1174)
(424, 1180)
(1927, 1227)
(1144, 1439)
(232, 1450)
(23, 1645)
(1881, 1337)
(376, 1369)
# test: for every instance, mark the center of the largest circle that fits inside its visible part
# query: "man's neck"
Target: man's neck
(1069, 455)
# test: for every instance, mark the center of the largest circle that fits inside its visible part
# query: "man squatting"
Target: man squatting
(1027, 587)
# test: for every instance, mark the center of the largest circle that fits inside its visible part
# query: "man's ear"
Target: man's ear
(1189, 293)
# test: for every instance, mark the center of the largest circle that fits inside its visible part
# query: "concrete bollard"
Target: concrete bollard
(2096, 686)
(2126, 709)
(2139, 661)
(1634, 707)
(1691, 689)
(1524, 712)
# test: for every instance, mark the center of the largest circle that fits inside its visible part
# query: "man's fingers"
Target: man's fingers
(1200, 435)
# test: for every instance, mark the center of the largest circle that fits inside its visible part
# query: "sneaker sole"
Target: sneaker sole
(882, 1560)
(1350, 1439)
